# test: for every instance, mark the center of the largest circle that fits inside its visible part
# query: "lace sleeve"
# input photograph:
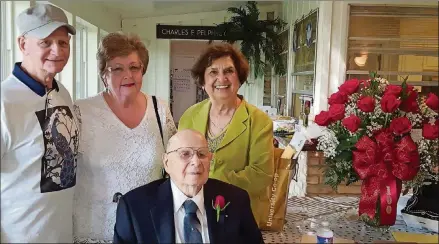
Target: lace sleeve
(77, 113)
(168, 124)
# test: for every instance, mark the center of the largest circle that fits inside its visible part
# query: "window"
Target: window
(396, 42)
(304, 46)
(87, 78)
(268, 77)
(275, 87)
(281, 88)
(102, 34)
(5, 41)
(9, 51)
(81, 61)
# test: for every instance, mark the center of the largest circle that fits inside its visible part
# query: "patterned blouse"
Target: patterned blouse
(214, 141)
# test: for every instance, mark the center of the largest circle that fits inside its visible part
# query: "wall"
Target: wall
(316, 181)
(92, 12)
(157, 78)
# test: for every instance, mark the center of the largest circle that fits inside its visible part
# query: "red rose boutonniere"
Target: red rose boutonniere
(219, 206)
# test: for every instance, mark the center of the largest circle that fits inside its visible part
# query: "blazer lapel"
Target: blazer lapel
(162, 215)
(236, 126)
(199, 120)
(215, 228)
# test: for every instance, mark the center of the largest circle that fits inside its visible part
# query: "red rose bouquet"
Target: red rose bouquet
(428, 145)
(368, 138)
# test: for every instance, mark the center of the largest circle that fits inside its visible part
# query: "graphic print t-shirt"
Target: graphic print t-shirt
(38, 164)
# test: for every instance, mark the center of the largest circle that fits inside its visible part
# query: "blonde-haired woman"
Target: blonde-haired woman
(123, 134)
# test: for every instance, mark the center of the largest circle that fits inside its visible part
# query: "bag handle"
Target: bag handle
(154, 101)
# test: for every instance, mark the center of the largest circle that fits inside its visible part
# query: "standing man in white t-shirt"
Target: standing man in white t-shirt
(39, 133)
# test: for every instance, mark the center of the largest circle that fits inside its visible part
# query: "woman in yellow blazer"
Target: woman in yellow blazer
(239, 135)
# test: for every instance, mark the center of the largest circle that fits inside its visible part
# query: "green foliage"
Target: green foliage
(259, 38)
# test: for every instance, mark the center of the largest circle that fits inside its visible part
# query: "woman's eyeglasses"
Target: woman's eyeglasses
(120, 70)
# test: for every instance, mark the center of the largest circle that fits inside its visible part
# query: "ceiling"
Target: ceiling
(129, 9)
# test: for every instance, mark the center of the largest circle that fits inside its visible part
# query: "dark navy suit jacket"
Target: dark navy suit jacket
(146, 215)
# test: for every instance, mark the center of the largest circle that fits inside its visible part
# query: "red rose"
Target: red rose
(400, 125)
(365, 83)
(338, 98)
(350, 86)
(219, 202)
(323, 118)
(351, 123)
(432, 102)
(336, 111)
(389, 103)
(393, 90)
(431, 132)
(366, 104)
(410, 104)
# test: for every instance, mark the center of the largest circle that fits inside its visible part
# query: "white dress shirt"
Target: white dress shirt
(179, 213)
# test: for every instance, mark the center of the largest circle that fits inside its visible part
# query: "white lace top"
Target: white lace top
(113, 158)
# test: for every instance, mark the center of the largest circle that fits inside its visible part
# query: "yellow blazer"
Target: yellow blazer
(245, 156)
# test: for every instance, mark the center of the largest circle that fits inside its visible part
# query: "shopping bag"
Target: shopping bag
(274, 210)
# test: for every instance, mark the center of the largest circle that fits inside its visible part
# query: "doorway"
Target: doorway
(183, 90)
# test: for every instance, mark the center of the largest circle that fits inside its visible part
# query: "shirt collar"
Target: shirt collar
(179, 198)
(34, 85)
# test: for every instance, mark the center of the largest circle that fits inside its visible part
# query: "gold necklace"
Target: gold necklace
(222, 128)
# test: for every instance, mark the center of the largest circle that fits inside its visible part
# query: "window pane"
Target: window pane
(304, 59)
(80, 46)
(305, 32)
(282, 89)
(282, 86)
(304, 83)
(395, 41)
(267, 86)
(284, 39)
(297, 110)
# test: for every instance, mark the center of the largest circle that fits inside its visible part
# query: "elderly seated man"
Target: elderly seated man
(188, 207)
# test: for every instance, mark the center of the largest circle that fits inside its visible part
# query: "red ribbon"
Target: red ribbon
(382, 164)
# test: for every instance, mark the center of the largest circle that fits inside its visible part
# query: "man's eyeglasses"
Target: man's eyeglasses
(119, 70)
(186, 153)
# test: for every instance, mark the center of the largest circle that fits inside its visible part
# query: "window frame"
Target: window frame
(418, 51)
(81, 49)
(295, 74)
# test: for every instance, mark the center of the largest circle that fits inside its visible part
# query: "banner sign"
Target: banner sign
(188, 32)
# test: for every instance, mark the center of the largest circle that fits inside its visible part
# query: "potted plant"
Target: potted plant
(260, 42)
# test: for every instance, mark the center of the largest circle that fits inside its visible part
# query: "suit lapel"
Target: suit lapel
(199, 120)
(162, 214)
(236, 127)
(215, 229)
